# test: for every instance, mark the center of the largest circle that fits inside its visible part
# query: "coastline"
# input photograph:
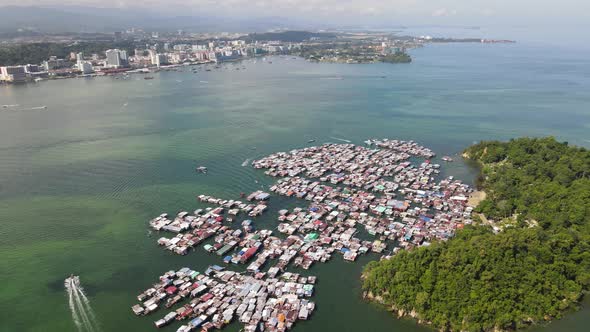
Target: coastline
(527, 239)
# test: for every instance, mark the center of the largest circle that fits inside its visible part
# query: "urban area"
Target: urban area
(142, 53)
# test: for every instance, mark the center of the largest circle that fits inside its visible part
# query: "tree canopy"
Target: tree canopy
(36, 53)
(481, 281)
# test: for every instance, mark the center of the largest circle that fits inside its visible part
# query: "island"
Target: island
(398, 57)
(526, 260)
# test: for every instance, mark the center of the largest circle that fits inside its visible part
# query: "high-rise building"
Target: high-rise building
(153, 56)
(85, 67)
(54, 63)
(113, 58)
(161, 59)
(117, 58)
(123, 56)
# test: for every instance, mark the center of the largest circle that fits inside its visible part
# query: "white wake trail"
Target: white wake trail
(82, 313)
(89, 310)
(73, 309)
(82, 310)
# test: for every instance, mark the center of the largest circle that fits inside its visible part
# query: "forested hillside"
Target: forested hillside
(481, 281)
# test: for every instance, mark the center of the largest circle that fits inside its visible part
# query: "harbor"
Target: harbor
(385, 196)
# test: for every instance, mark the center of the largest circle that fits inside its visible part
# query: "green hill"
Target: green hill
(525, 274)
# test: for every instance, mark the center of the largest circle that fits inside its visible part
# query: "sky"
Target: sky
(541, 19)
(365, 11)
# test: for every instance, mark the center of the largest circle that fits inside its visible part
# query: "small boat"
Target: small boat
(201, 169)
(311, 141)
(447, 159)
(39, 108)
(148, 78)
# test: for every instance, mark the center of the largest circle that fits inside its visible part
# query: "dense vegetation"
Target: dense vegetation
(525, 274)
(399, 57)
(38, 52)
(539, 179)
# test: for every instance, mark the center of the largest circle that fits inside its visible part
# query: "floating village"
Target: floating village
(380, 198)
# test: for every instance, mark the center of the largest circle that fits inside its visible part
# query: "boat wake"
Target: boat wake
(82, 312)
(340, 139)
(246, 162)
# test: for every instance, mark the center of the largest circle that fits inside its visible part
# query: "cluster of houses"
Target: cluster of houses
(192, 229)
(392, 191)
(218, 296)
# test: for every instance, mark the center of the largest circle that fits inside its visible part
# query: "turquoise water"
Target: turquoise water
(79, 181)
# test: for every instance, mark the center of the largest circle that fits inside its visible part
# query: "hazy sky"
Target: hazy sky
(405, 11)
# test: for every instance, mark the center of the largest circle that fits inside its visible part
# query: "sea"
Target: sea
(80, 180)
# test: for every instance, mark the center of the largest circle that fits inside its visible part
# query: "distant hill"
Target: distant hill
(88, 19)
(288, 36)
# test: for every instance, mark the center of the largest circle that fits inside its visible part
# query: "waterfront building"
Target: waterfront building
(85, 67)
(113, 58)
(161, 59)
(117, 58)
(211, 56)
(152, 54)
(32, 68)
(54, 63)
(123, 56)
(201, 55)
(13, 74)
(178, 57)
